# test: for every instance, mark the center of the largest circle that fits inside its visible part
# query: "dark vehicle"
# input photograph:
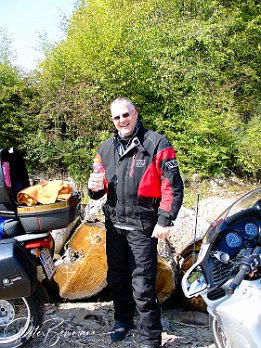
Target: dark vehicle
(227, 274)
(26, 245)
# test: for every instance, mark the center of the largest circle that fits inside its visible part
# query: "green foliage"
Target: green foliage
(249, 148)
(66, 139)
(192, 68)
(14, 97)
(6, 54)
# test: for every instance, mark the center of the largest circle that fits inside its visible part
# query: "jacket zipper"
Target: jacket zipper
(132, 164)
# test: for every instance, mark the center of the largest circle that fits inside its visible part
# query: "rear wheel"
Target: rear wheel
(19, 320)
(218, 334)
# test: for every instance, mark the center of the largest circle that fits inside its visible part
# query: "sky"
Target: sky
(24, 20)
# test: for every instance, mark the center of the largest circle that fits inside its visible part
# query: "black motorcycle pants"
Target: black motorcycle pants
(132, 270)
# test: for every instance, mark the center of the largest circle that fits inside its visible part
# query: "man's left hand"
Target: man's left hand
(161, 232)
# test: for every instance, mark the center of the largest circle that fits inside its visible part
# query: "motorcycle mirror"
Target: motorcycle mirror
(194, 282)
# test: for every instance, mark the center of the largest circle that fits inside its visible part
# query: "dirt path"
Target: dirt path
(88, 324)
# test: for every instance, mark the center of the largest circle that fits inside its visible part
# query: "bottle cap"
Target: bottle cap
(97, 160)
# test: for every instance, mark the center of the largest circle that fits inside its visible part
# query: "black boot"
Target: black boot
(120, 330)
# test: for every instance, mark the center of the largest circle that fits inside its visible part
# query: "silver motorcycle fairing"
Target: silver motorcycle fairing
(235, 316)
(193, 282)
(239, 315)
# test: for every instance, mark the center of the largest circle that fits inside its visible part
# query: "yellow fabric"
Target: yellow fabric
(45, 192)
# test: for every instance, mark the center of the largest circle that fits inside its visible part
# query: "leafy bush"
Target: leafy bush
(191, 67)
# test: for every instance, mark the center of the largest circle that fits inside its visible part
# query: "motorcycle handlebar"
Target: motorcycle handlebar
(243, 271)
(248, 260)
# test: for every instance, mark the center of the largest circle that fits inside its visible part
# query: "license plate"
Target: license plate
(47, 263)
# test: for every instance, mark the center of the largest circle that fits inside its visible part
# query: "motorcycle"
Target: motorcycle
(26, 250)
(227, 274)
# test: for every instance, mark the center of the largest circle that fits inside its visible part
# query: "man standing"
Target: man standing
(144, 194)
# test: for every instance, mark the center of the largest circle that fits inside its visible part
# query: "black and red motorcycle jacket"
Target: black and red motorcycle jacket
(143, 182)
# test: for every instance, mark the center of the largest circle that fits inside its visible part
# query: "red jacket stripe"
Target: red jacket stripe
(153, 175)
(167, 196)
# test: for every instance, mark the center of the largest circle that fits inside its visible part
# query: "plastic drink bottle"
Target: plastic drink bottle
(98, 169)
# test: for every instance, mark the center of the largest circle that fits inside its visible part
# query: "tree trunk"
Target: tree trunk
(82, 271)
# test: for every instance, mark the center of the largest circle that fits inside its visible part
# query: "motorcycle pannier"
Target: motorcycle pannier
(18, 275)
(37, 218)
(46, 217)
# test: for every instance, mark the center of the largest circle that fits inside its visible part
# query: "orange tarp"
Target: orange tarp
(45, 192)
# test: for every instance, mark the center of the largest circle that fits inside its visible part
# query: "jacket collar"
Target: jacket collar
(138, 131)
(135, 140)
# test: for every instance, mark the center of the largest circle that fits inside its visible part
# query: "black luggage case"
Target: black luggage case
(45, 217)
(37, 218)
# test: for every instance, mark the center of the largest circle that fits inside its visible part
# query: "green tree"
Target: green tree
(14, 96)
(191, 67)
(67, 133)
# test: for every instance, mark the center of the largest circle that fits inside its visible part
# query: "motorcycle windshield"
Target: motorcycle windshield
(249, 202)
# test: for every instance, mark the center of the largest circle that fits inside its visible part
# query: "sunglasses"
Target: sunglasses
(116, 118)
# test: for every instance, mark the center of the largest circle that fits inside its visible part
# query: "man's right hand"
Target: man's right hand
(161, 232)
(94, 182)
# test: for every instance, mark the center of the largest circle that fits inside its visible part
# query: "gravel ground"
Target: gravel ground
(88, 324)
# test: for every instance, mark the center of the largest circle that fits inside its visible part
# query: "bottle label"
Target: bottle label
(99, 171)
(101, 177)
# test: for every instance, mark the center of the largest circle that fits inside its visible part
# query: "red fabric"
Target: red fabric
(161, 187)
(150, 176)
(167, 196)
